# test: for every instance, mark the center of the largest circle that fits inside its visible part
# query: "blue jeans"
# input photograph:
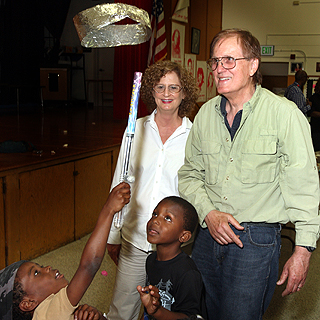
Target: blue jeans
(239, 282)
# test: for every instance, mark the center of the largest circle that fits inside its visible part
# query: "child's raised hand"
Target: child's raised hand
(150, 298)
(118, 197)
(86, 312)
(95, 248)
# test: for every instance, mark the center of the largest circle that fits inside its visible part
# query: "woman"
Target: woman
(315, 117)
(170, 93)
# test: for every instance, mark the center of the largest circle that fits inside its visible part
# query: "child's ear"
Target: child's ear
(185, 236)
(28, 304)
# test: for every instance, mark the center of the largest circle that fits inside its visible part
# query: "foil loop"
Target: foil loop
(96, 28)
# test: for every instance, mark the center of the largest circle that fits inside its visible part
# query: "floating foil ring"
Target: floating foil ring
(96, 28)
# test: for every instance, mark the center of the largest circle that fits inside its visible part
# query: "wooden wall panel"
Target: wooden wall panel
(198, 19)
(46, 209)
(92, 186)
(271, 82)
(290, 80)
(168, 6)
(12, 218)
(214, 21)
(205, 15)
(115, 155)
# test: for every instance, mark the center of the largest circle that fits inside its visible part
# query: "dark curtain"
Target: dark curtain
(22, 44)
(127, 60)
(53, 16)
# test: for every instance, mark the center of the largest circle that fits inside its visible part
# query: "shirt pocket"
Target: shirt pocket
(211, 154)
(259, 161)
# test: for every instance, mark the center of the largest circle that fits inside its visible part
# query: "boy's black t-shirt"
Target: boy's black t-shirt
(179, 282)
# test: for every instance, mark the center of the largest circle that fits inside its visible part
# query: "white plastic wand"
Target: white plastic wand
(118, 218)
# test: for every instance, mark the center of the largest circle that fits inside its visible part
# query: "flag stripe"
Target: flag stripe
(161, 38)
(158, 41)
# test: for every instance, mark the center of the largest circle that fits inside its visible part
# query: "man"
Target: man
(295, 94)
(249, 167)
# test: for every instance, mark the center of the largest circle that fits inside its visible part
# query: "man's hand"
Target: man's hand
(114, 251)
(86, 312)
(295, 270)
(218, 225)
(150, 298)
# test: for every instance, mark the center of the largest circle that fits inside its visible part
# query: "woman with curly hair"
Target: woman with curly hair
(170, 93)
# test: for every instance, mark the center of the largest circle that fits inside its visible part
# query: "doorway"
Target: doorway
(275, 76)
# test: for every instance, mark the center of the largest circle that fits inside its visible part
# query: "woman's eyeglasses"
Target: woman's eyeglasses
(173, 88)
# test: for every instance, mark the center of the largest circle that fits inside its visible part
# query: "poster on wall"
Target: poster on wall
(195, 40)
(202, 80)
(177, 43)
(296, 66)
(181, 11)
(211, 86)
(190, 61)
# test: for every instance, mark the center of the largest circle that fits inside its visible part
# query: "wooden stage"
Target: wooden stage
(53, 196)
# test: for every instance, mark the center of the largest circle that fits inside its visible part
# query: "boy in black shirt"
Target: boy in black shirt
(175, 288)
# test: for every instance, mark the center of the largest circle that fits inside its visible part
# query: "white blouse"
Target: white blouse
(154, 166)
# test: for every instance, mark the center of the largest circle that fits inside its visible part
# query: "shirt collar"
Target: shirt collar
(185, 125)
(223, 106)
(221, 103)
(251, 104)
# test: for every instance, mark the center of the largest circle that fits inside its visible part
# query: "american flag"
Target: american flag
(158, 41)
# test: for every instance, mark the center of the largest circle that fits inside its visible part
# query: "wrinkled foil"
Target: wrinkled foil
(96, 28)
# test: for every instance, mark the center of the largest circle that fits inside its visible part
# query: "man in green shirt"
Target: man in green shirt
(249, 167)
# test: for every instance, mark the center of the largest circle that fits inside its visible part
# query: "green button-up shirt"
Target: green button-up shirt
(267, 173)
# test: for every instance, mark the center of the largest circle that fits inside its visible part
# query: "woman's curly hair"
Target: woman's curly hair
(155, 72)
(18, 295)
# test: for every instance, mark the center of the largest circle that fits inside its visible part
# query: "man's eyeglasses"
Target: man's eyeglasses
(173, 88)
(226, 62)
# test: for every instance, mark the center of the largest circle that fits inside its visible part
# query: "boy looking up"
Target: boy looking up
(31, 291)
(175, 288)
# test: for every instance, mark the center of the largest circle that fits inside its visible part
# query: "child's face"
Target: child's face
(40, 282)
(166, 223)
